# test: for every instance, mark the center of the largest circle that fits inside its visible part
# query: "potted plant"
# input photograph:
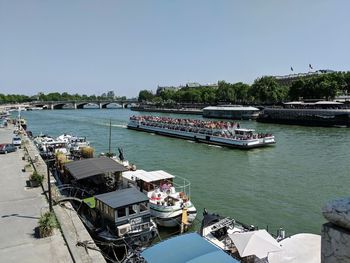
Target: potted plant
(28, 168)
(35, 179)
(47, 223)
(87, 152)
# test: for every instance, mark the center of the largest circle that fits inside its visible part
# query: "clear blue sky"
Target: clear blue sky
(90, 47)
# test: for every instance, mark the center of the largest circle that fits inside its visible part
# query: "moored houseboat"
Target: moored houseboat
(321, 113)
(234, 112)
(241, 241)
(249, 244)
(121, 217)
(169, 199)
(221, 133)
(111, 212)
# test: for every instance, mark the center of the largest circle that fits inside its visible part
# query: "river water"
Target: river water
(285, 185)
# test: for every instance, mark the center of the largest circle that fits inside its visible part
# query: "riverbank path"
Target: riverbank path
(20, 210)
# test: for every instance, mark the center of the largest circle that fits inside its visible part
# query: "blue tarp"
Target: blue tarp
(190, 248)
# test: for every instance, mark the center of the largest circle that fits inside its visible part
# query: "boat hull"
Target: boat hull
(307, 117)
(138, 238)
(172, 218)
(308, 122)
(203, 138)
(134, 240)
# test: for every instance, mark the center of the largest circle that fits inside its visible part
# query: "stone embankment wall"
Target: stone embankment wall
(335, 245)
(72, 228)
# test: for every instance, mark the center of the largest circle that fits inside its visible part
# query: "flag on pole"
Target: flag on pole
(291, 68)
(310, 66)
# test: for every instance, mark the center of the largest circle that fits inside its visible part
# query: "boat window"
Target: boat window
(143, 207)
(133, 209)
(121, 212)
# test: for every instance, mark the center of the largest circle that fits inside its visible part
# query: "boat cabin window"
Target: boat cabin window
(105, 209)
(143, 207)
(133, 209)
(121, 212)
(238, 132)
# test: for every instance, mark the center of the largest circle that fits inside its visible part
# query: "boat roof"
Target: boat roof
(231, 107)
(321, 102)
(186, 248)
(293, 103)
(93, 166)
(301, 248)
(147, 176)
(123, 197)
(328, 102)
(244, 130)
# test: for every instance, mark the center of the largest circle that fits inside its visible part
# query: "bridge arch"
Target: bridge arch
(58, 106)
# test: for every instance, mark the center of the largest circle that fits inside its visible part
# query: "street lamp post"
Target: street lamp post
(48, 164)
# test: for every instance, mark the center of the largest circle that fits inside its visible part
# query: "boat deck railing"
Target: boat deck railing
(179, 183)
(228, 133)
(182, 184)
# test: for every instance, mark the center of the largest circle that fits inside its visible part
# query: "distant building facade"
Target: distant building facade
(110, 94)
(188, 85)
(288, 80)
(160, 89)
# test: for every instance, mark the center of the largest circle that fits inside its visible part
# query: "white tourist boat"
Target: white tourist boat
(216, 229)
(211, 132)
(64, 143)
(75, 143)
(48, 145)
(168, 199)
(238, 239)
(4, 114)
(235, 112)
(114, 105)
(91, 106)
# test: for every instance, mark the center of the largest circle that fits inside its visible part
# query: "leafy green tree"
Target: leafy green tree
(242, 92)
(208, 95)
(2, 98)
(346, 78)
(145, 95)
(267, 90)
(168, 94)
(296, 89)
(55, 96)
(226, 92)
(92, 97)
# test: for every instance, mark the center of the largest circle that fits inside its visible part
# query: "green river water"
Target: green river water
(283, 185)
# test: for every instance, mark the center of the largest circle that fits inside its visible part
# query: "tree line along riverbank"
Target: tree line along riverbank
(264, 90)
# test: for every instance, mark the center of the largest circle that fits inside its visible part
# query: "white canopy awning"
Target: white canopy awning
(147, 176)
(259, 243)
(300, 248)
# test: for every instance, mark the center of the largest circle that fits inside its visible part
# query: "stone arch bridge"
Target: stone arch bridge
(80, 104)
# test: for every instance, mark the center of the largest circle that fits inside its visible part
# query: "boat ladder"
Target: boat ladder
(226, 222)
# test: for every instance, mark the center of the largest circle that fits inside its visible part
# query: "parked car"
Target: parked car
(16, 141)
(6, 148)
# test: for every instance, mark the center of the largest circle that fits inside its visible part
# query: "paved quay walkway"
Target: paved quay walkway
(20, 209)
